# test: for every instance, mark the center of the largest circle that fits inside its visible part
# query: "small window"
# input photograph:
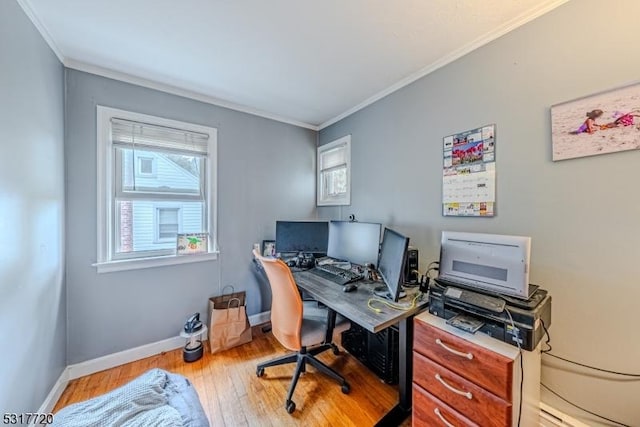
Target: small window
(168, 224)
(334, 173)
(145, 166)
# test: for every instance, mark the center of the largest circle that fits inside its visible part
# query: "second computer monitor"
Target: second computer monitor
(356, 242)
(301, 236)
(391, 264)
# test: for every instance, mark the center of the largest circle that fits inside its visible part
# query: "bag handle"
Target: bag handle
(228, 286)
(238, 314)
(232, 299)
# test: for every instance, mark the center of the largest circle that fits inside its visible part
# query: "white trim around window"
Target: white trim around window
(106, 261)
(333, 174)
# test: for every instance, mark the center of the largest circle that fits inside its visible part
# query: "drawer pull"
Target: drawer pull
(466, 394)
(450, 350)
(445, 422)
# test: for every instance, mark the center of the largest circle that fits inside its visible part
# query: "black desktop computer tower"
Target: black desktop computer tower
(411, 274)
(378, 352)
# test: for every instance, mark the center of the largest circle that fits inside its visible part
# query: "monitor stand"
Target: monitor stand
(383, 292)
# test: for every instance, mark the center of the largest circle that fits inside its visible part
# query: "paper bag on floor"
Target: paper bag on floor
(228, 324)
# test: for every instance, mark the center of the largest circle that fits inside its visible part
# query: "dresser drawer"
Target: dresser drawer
(490, 370)
(429, 411)
(462, 395)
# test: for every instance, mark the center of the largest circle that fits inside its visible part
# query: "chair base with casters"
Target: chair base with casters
(301, 358)
(305, 335)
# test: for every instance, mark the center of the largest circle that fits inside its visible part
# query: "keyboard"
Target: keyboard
(337, 275)
(482, 301)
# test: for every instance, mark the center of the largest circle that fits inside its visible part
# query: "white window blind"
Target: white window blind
(334, 162)
(334, 158)
(146, 135)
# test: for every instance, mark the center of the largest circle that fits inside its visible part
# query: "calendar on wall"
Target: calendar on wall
(469, 173)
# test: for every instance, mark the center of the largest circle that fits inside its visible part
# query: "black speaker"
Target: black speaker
(411, 273)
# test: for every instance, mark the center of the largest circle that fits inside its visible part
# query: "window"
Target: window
(145, 166)
(167, 224)
(156, 178)
(334, 173)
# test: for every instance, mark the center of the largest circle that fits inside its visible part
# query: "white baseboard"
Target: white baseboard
(260, 318)
(550, 416)
(116, 359)
(109, 361)
(55, 393)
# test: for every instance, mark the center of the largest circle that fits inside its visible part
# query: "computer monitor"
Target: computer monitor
(391, 265)
(356, 242)
(302, 236)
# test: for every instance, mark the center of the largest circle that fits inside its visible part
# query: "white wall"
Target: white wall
(32, 285)
(582, 214)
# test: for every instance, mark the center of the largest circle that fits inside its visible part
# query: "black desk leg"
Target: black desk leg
(331, 324)
(402, 410)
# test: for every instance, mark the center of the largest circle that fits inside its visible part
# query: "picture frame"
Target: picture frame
(601, 123)
(192, 243)
(268, 248)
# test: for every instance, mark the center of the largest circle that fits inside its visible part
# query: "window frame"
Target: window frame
(106, 225)
(342, 200)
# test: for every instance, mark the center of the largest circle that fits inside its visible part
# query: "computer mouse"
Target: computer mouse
(349, 287)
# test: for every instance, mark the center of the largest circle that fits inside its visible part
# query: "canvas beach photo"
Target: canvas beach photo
(598, 124)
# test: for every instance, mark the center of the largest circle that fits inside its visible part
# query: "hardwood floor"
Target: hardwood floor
(232, 395)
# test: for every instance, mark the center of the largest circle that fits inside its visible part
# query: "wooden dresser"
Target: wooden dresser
(463, 379)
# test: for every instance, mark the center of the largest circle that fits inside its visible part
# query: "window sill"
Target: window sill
(329, 202)
(161, 261)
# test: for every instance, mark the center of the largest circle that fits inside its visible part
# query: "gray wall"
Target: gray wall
(582, 214)
(32, 289)
(265, 172)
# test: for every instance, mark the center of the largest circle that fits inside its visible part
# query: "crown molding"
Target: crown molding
(175, 90)
(447, 59)
(26, 7)
(140, 81)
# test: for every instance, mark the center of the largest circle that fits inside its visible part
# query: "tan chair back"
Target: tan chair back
(286, 304)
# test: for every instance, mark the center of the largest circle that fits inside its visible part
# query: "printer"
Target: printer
(528, 316)
(496, 266)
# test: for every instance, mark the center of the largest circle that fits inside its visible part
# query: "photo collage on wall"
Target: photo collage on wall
(469, 174)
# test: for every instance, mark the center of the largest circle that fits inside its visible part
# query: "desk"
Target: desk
(353, 306)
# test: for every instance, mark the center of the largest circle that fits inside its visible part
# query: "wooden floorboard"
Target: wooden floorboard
(232, 395)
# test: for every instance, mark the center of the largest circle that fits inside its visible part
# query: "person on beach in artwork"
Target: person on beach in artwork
(589, 125)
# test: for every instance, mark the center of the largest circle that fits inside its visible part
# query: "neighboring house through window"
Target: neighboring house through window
(334, 173)
(156, 179)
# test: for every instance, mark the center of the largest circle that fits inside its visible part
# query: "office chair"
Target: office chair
(294, 331)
